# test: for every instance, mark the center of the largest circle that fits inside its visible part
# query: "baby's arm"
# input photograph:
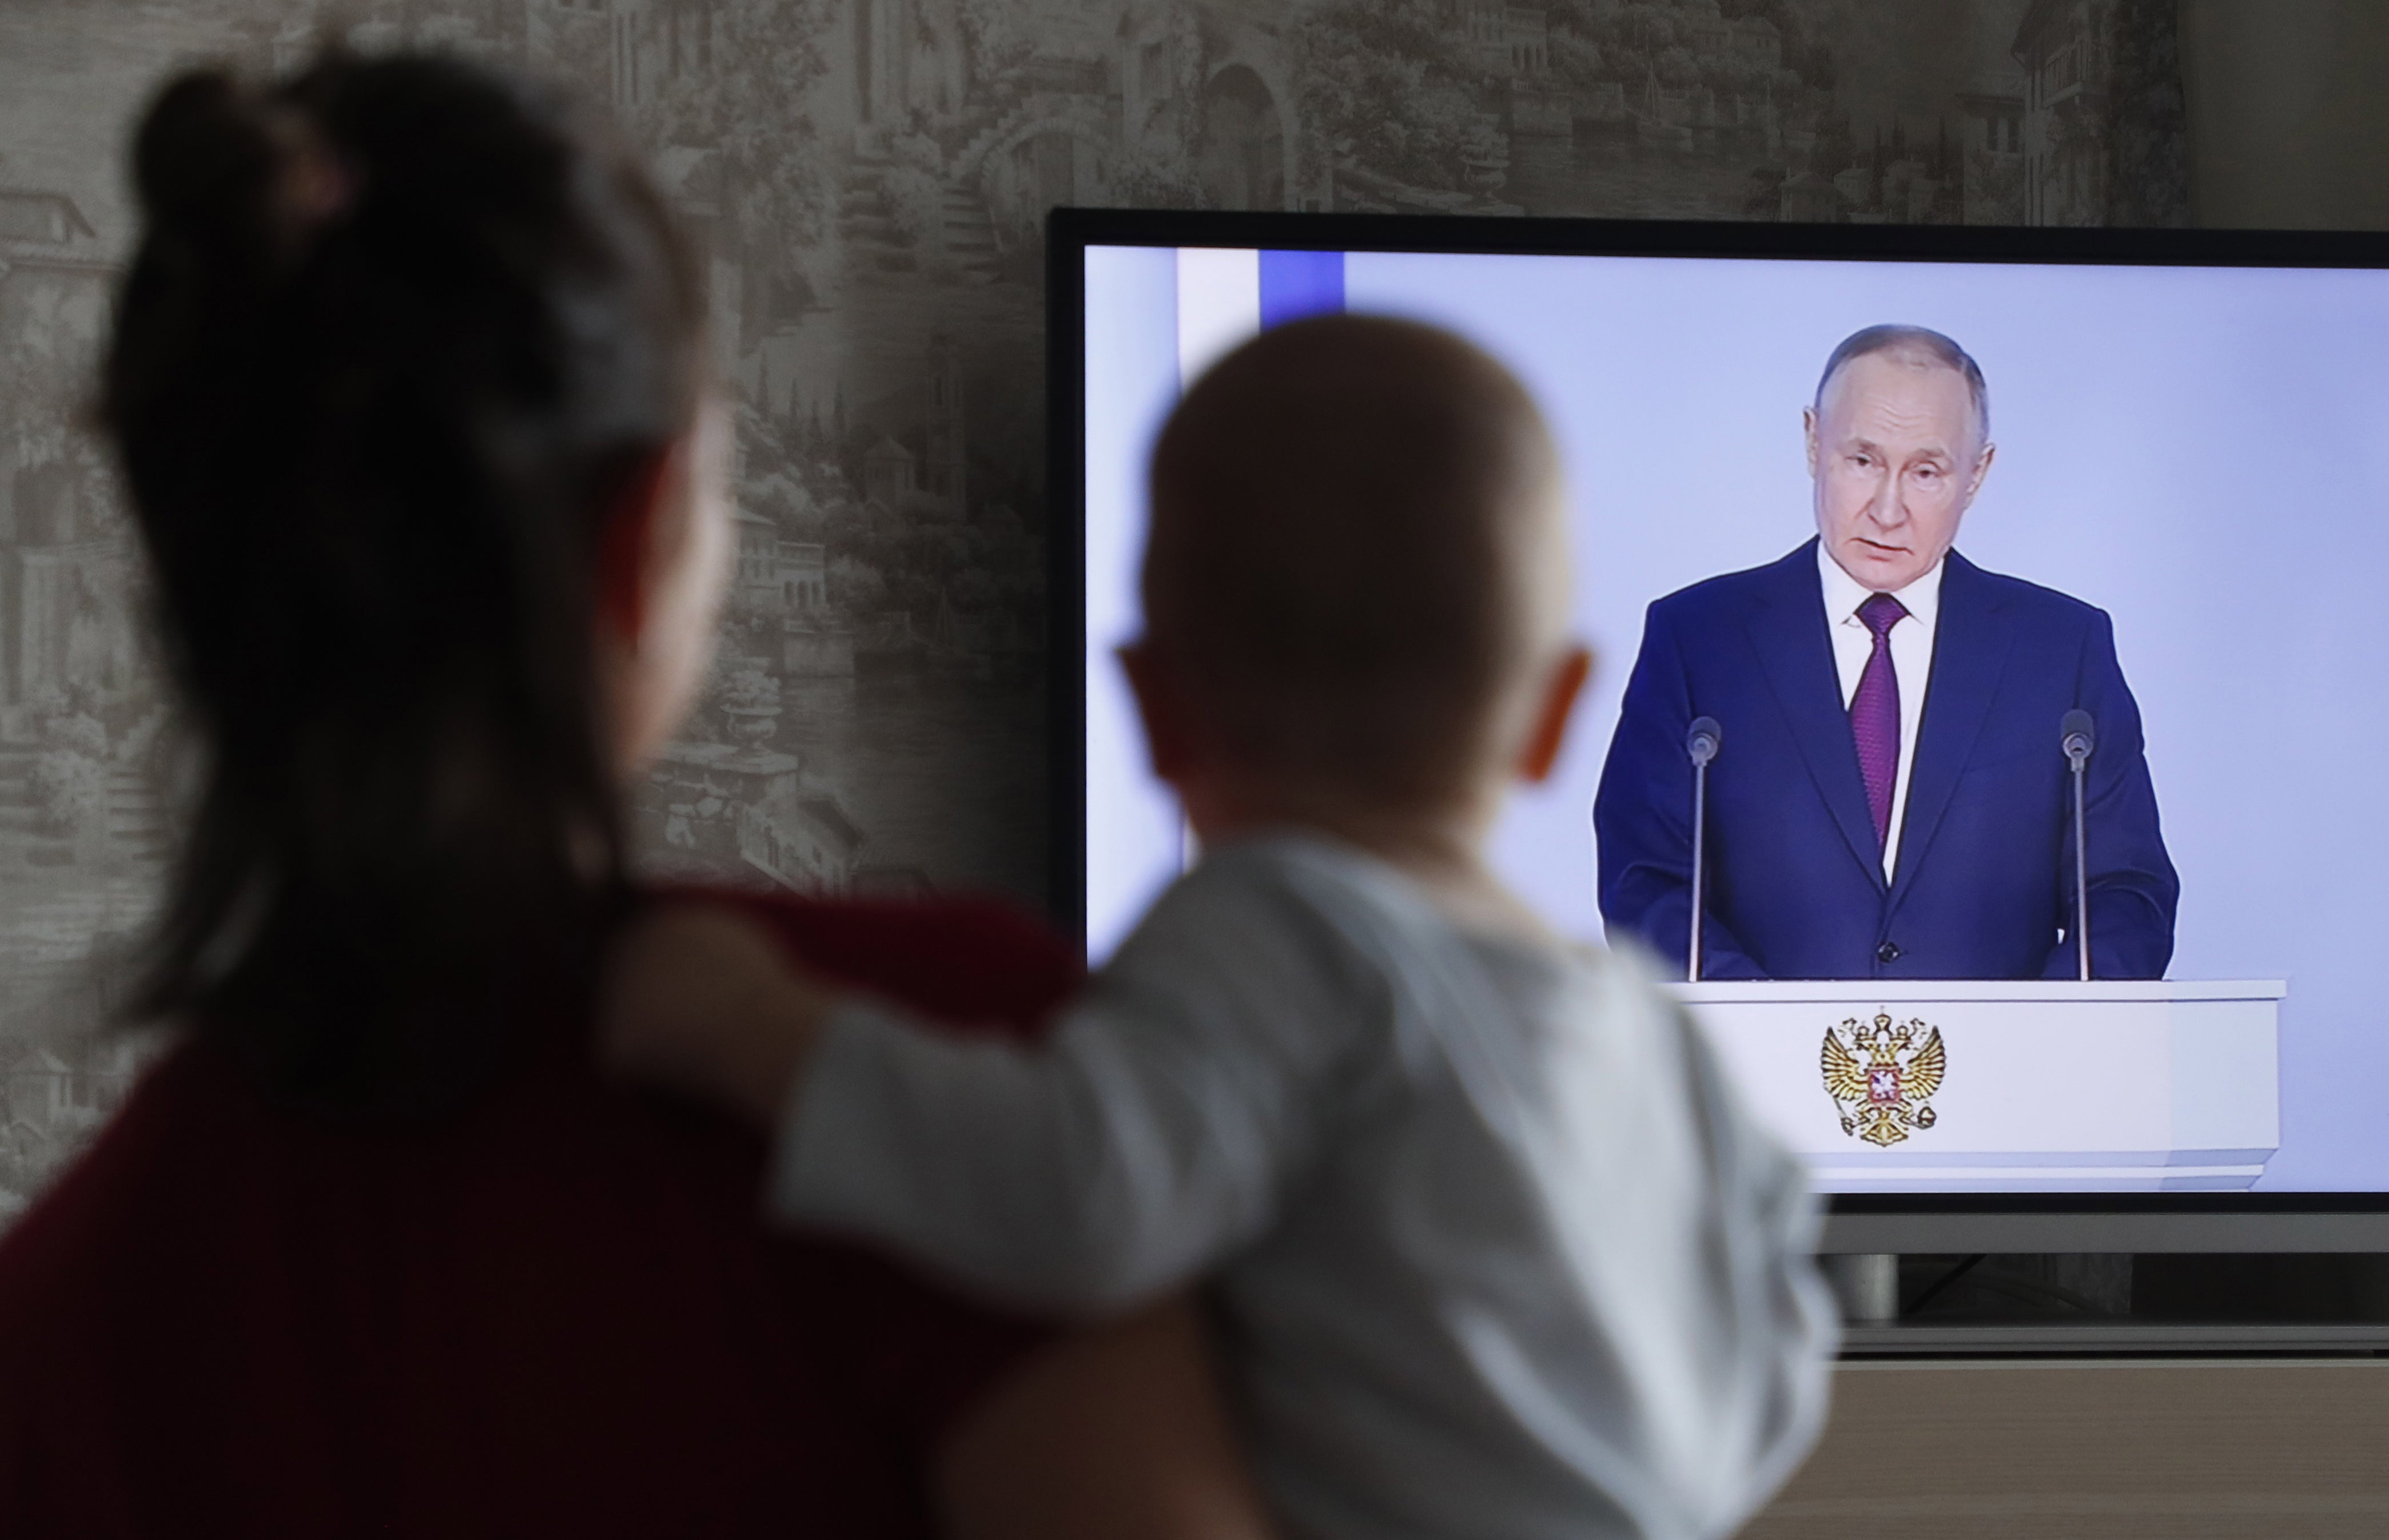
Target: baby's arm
(1145, 1139)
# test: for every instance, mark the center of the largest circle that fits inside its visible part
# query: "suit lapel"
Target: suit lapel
(1971, 643)
(1788, 632)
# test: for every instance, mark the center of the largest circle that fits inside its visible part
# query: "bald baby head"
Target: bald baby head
(1356, 564)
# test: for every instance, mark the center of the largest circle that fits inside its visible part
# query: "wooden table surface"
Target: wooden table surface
(2054, 1449)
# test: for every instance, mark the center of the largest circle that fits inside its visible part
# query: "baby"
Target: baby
(1494, 1250)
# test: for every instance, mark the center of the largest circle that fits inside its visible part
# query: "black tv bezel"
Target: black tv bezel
(1070, 231)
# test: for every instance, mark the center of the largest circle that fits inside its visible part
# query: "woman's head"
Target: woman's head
(406, 383)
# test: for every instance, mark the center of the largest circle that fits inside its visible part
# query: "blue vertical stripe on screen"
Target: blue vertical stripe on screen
(1296, 284)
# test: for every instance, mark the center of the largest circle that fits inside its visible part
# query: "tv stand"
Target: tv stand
(2108, 1306)
(2125, 1338)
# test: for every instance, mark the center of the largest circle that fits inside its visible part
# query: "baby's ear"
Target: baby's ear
(1553, 714)
(1170, 735)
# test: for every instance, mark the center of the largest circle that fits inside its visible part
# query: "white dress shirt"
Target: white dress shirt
(1912, 663)
(1497, 1249)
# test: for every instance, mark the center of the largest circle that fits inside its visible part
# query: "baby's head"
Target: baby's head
(1356, 584)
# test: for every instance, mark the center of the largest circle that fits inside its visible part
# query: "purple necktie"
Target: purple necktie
(1875, 713)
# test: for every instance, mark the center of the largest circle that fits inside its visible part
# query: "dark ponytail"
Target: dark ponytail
(396, 337)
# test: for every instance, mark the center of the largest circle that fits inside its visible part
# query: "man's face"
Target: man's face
(1896, 458)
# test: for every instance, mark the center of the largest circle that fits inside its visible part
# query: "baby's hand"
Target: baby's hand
(700, 998)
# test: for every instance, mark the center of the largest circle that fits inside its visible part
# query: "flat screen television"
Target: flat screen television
(2193, 441)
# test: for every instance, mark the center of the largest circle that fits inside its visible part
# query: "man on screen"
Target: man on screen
(1891, 800)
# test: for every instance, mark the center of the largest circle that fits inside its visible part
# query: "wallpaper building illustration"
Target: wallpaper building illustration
(870, 179)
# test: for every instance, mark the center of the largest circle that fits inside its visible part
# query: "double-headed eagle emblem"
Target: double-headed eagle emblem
(1882, 1076)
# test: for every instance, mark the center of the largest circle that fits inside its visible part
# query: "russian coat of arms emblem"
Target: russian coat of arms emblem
(1882, 1076)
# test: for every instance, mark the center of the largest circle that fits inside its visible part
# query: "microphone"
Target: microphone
(1701, 745)
(2077, 736)
(1705, 739)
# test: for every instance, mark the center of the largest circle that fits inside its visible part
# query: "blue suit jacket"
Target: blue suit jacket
(1986, 874)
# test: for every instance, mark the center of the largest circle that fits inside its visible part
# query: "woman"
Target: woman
(407, 384)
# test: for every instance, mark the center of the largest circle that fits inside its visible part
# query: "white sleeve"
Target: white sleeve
(1145, 1140)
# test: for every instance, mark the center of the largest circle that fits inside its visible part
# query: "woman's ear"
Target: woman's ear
(626, 549)
(1553, 714)
(663, 563)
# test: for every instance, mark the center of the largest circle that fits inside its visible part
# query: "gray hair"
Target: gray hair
(1912, 339)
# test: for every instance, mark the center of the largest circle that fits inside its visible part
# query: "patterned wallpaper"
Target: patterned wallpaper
(870, 178)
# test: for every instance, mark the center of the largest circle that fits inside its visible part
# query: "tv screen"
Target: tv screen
(2182, 529)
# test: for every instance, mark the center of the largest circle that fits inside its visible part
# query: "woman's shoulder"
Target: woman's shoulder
(123, 1219)
(185, 1106)
(581, 1264)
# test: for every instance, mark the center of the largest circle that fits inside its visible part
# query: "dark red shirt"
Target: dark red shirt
(555, 1314)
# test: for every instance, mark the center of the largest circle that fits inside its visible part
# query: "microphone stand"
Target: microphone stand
(1701, 743)
(2077, 742)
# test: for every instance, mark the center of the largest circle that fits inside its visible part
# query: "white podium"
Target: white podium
(1915, 1086)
